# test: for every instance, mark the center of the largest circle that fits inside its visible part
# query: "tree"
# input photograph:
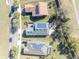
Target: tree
(16, 2)
(16, 15)
(65, 19)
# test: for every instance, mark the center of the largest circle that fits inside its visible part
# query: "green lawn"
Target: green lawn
(41, 39)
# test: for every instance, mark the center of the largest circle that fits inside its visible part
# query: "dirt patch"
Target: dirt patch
(28, 57)
(72, 23)
(4, 30)
(69, 11)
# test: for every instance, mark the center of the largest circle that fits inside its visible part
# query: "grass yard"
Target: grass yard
(25, 19)
(41, 39)
(55, 54)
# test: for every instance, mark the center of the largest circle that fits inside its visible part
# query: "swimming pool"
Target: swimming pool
(37, 46)
(41, 25)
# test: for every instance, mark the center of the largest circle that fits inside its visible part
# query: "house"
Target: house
(29, 9)
(37, 29)
(35, 48)
(38, 9)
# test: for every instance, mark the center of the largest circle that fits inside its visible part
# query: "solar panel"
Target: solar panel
(37, 46)
(41, 25)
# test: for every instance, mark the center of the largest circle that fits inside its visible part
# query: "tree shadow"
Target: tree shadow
(52, 18)
(36, 18)
(23, 13)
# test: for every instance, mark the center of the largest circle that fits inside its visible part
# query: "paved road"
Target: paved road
(4, 30)
(76, 10)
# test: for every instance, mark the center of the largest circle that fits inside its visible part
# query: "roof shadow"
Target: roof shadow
(32, 36)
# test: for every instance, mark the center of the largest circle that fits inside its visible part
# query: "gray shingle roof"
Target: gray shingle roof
(39, 29)
(36, 49)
